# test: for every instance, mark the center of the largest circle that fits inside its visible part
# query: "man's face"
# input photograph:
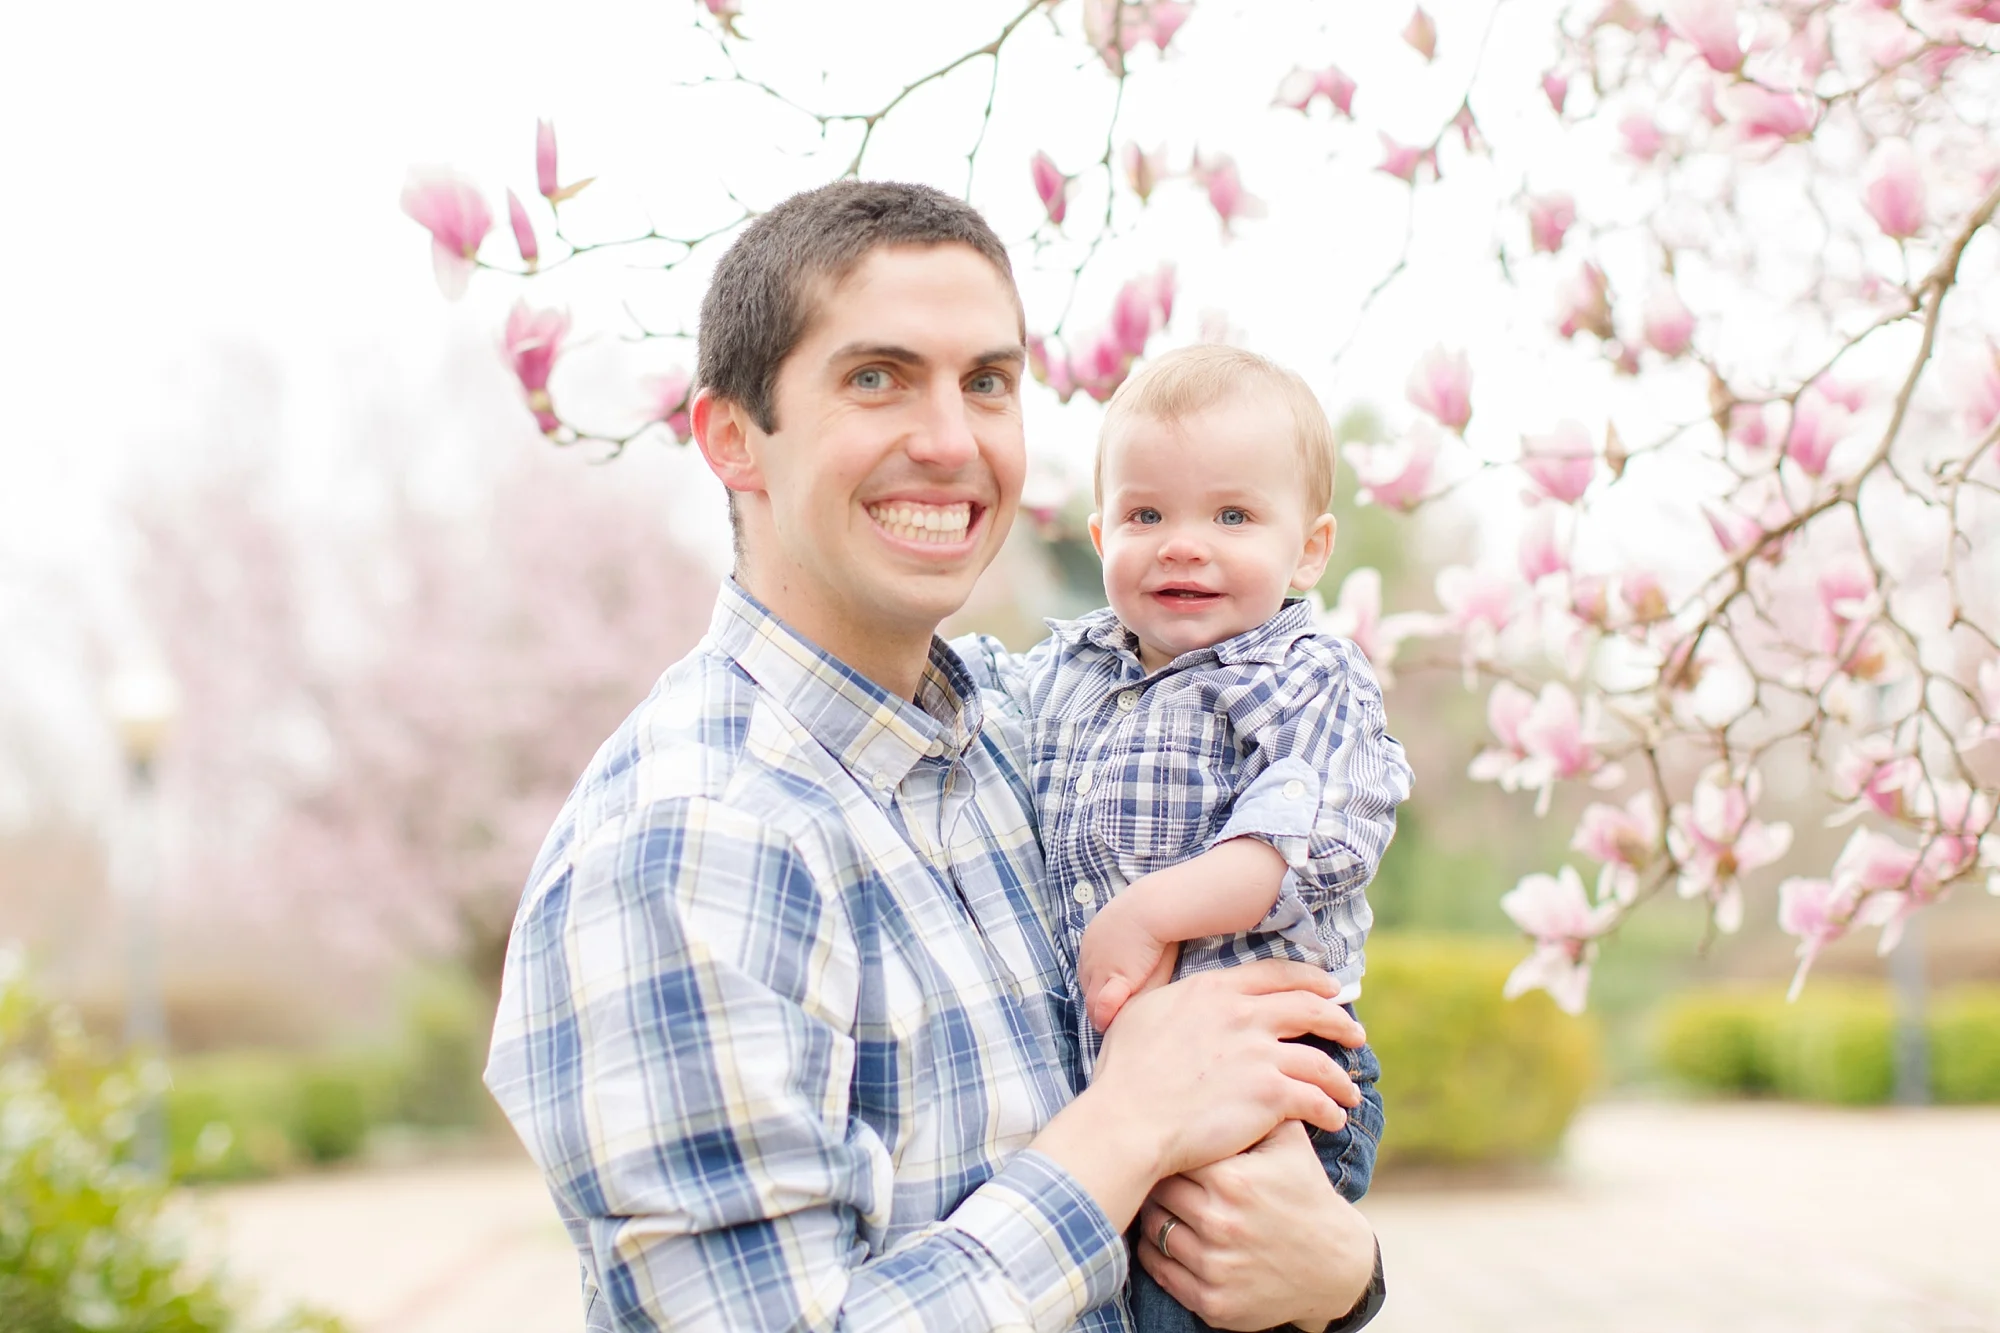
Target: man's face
(896, 465)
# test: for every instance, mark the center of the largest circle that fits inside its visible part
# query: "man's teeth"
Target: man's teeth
(937, 524)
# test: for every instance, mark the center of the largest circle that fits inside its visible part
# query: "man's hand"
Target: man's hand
(1119, 958)
(1262, 1238)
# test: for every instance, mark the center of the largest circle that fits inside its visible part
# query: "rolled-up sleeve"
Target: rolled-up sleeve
(1326, 785)
(676, 1048)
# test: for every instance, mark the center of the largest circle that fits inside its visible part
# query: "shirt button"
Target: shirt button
(1294, 789)
(1082, 894)
(1128, 701)
(1083, 784)
(881, 781)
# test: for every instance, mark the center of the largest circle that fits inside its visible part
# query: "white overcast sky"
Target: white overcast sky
(193, 188)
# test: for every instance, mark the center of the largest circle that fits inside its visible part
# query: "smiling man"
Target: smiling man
(783, 1020)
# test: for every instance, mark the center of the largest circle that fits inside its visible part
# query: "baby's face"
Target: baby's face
(1205, 528)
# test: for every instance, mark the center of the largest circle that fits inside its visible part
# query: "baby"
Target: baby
(1213, 774)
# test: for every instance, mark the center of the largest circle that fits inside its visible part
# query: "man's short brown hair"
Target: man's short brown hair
(764, 295)
(1181, 383)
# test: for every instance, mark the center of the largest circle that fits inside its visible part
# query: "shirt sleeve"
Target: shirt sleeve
(1016, 677)
(675, 1046)
(1325, 780)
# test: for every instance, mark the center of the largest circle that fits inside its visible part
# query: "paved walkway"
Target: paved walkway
(1740, 1219)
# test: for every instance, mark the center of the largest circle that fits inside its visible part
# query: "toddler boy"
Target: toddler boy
(1213, 774)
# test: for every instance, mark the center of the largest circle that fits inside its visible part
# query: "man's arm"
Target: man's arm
(674, 1048)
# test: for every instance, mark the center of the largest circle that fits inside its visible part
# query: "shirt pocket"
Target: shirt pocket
(1160, 789)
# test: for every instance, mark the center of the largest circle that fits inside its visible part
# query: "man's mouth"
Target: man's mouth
(936, 525)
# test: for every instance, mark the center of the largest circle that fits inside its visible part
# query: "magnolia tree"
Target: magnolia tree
(1746, 525)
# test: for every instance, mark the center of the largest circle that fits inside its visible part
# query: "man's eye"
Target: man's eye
(1147, 516)
(871, 378)
(1232, 517)
(987, 382)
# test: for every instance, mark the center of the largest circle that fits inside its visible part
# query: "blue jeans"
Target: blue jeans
(1349, 1159)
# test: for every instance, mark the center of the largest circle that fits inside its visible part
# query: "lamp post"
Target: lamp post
(143, 705)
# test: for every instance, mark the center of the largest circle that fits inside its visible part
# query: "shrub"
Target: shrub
(1469, 1077)
(82, 1246)
(1835, 1044)
(1965, 1046)
(1718, 1040)
(251, 1114)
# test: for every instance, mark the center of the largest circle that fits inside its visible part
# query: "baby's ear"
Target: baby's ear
(1316, 552)
(1096, 523)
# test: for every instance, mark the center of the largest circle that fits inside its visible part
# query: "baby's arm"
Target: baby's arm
(1131, 945)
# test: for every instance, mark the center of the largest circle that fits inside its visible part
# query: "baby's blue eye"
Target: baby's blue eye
(1148, 516)
(1232, 518)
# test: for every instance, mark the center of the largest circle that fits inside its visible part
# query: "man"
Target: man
(783, 1021)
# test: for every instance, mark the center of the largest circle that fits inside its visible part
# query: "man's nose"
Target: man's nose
(944, 437)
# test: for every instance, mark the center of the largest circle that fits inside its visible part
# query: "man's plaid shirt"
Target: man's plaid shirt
(1277, 733)
(782, 1010)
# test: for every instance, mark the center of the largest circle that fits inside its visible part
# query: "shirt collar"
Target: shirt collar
(876, 736)
(1267, 643)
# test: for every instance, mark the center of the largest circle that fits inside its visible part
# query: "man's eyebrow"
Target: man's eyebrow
(1012, 354)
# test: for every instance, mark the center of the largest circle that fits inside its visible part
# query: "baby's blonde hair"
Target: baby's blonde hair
(1184, 381)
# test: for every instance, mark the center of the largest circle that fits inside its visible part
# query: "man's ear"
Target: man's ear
(1096, 524)
(723, 432)
(1318, 550)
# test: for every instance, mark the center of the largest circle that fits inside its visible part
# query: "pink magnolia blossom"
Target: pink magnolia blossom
(1585, 304)
(1985, 724)
(1845, 605)
(1441, 385)
(726, 12)
(1715, 840)
(1669, 324)
(1479, 604)
(1553, 736)
(1749, 426)
(1555, 87)
(1642, 136)
(1976, 385)
(524, 232)
(670, 394)
(1818, 913)
(1357, 614)
(1873, 778)
(1051, 186)
(457, 218)
(1507, 707)
(533, 342)
(1894, 191)
(1762, 113)
(545, 166)
(1590, 599)
(1817, 427)
(1226, 195)
(1422, 34)
(1302, 87)
(1562, 463)
(1543, 550)
(1549, 220)
(1645, 600)
(1710, 27)
(1735, 532)
(1403, 161)
(1165, 18)
(1395, 475)
(1625, 840)
(1553, 910)
(1144, 171)
(1142, 308)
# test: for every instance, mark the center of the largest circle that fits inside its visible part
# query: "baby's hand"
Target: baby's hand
(1120, 958)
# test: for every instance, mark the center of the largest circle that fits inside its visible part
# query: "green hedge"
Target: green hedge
(1836, 1044)
(1469, 1078)
(83, 1248)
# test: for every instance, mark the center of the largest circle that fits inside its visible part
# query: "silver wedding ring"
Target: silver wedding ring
(1166, 1228)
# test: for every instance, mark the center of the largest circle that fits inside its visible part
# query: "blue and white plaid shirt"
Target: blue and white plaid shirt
(783, 1008)
(1277, 733)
